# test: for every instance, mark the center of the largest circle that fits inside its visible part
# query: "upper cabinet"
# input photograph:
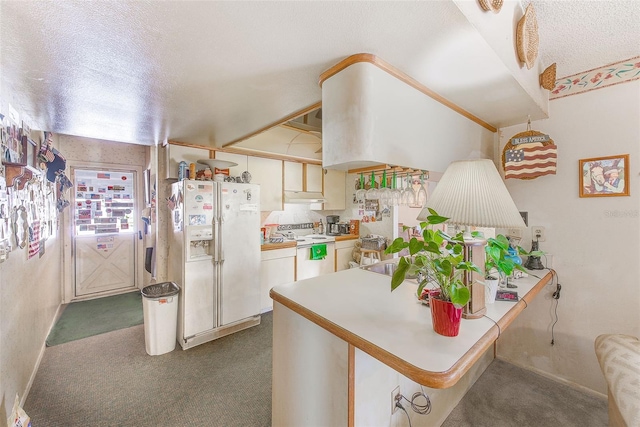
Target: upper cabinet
(335, 183)
(267, 173)
(302, 177)
(293, 176)
(240, 159)
(178, 153)
(313, 178)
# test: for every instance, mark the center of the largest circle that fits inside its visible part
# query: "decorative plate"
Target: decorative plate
(527, 37)
(246, 177)
(215, 163)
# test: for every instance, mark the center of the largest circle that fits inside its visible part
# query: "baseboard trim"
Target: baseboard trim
(552, 377)
(40, 356)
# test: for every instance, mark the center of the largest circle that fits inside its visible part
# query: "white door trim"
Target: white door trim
(68, 292)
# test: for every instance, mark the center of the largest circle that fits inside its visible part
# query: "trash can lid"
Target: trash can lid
(160, 290)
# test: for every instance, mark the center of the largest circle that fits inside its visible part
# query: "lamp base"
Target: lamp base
(534, 263)
(477, 315)
(476, 307)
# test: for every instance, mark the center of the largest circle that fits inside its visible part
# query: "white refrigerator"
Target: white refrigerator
(214, 255)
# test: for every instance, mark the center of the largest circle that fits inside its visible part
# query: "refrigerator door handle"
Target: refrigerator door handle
(220, 222)
(220, 239)
(215, 240)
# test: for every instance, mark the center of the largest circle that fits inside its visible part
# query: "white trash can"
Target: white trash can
(160, 309)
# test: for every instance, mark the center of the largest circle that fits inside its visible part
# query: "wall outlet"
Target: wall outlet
(395, 397)
(537, 233)
(514, 232)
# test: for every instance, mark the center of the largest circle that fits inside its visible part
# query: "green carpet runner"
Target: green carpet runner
(87, 318)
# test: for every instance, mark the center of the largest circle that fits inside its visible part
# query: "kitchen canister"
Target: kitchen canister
(182, 170)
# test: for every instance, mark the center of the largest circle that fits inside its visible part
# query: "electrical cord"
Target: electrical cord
(419, 408)
(499, 330)
(524, 301)
(422, 409)
(556, 321)
(555, 296)
(399, 405)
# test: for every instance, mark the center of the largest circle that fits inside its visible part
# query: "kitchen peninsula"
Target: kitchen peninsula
(343, 342)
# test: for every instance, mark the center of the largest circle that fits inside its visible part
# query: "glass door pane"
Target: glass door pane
(104, 202)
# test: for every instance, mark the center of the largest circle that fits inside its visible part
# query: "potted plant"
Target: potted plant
(438, 259)
(501, 259)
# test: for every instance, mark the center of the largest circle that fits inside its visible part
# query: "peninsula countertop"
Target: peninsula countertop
(394, 327)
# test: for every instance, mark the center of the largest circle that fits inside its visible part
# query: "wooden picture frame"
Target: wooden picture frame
(604, 176)
(31, 152)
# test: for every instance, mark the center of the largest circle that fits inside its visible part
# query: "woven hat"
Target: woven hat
(548, 77)
(527, 39)
(492, 5)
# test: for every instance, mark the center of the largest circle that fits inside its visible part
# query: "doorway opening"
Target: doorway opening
(104, 231)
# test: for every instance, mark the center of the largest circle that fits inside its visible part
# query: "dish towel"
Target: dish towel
(318, 251)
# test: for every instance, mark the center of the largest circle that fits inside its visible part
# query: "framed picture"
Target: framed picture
(31, 153)
(604, 176)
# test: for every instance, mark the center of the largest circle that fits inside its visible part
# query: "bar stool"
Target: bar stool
(372, 254)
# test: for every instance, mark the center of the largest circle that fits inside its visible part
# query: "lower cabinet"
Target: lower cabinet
(278, 267)
(344, 251)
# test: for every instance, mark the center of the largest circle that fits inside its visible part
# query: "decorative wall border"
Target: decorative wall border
(608, 75)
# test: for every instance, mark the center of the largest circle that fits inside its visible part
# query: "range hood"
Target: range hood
(303, 197)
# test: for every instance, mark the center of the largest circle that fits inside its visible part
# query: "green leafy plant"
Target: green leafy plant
(502, 258)
(437, 259)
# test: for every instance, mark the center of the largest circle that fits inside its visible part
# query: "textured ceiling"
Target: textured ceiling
(210, 72)
(582, 35)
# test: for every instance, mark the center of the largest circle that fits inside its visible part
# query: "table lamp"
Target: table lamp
(472, 193)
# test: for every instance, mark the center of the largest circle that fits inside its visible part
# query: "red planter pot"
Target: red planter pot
(445, 317)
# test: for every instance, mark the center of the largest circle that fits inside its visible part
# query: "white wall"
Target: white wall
(31, 291)
(29, 298)
(595, 242)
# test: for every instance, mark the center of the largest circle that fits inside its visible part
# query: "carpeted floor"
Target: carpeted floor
(506, 395)
(109, 380)
(88, 318)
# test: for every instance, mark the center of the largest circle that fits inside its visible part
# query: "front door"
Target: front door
(105, 232)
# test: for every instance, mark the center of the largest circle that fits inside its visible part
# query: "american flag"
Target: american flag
(530, 161)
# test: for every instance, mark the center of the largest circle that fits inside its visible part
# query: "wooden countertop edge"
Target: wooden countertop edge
(347, 237)
(400, 75)
(431, 379)
(274, 246)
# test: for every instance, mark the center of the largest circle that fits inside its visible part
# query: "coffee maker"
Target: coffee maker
(333, 229)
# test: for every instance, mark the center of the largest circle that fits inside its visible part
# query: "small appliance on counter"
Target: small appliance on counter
(344, 228)
(333, 228)
(354, 227)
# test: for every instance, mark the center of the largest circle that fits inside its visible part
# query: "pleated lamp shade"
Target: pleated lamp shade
(471, 192)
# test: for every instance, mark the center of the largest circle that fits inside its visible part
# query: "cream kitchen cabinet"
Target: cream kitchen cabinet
(344, 253)
(313, 178)
(335, 183)
(293, 176)
(178, 153)
(240, 159)
(268, 174)
(302, 177)
(277, 267)
(265, 172)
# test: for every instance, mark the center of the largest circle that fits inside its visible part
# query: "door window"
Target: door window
(104, 202)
